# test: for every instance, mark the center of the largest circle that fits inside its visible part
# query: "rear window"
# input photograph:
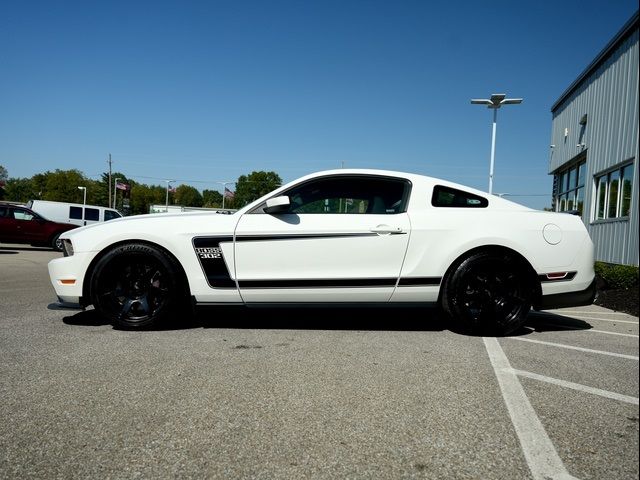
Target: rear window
(452, 197)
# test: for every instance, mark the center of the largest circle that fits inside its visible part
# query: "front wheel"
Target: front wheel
(135, 286)
(56, 243)
(488, 294)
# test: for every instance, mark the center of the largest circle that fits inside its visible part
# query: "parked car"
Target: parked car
(19, 224)
(76, 213)
(336, 237)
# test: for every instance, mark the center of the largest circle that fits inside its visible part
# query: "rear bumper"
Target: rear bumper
(568, 299)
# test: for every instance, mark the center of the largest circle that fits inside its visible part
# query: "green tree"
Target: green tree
(142, 196)
(20, 190)
(253, 186)
(188, 196)
(62, 186)
(211, 199)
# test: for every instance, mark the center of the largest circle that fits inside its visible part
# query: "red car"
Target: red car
(18, 224)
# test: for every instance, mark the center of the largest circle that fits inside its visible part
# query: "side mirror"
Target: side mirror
(277, 204)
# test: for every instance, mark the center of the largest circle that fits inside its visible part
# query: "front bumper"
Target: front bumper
(568, 299)
(67, 277)
(71, 303)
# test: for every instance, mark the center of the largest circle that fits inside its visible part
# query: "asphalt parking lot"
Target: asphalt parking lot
(349, 393)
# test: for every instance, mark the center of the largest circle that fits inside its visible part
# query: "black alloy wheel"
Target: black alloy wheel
(488, 294)
(135, 286)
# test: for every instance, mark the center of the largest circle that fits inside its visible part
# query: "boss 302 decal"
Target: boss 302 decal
(212, 260)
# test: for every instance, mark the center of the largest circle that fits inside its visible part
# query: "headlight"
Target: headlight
(67, 247)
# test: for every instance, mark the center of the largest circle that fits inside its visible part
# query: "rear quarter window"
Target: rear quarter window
(452, 197)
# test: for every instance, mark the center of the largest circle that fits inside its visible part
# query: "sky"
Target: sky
(203, 92)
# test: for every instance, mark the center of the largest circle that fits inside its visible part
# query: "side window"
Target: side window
(452, 197)
(92, 214)
(75, 213)
(350, 195)
(110, 215)
(3, 211)
(22, 215)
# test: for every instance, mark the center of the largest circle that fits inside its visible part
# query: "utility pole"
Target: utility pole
(109, 162)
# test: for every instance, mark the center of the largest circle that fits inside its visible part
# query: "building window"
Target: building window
(570, 188)
(613, 193)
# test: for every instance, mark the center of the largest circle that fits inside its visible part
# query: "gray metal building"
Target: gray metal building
(594, 148)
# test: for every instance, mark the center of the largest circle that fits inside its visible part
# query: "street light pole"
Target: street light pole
(84, 194)
(495, 102)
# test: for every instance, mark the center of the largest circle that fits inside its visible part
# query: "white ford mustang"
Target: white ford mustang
(341, 236)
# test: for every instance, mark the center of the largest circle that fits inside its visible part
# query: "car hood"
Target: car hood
(161, 228)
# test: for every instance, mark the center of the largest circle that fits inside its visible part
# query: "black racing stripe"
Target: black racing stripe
(419, 281)
(319, 283)
(306, 236)
(570, 276)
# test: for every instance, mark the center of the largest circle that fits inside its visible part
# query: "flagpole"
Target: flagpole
(166, 201)
(115, 192)
(224, 190)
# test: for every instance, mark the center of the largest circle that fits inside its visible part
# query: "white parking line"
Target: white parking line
(582, 312)
(571, 347)
(577, 386)
(569, 327)
(540, 454)
(613, 333)
(603, 319)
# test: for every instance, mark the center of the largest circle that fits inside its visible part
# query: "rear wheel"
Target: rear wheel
(136, 286)
(488, 294)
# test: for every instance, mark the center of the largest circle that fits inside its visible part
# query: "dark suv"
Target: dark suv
(18, 224)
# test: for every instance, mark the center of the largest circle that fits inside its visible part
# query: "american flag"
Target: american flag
(122, 186)
(228, 193)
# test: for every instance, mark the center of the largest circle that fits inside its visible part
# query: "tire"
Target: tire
(56, 243)
(136, 286)
(488, 294)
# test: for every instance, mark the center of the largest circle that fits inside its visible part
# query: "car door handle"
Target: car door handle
(386, 230)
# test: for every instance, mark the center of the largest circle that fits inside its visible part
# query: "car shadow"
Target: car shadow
(240, 317)
(85, 318)
(25, 248)
(425, 319)
(553, 322)
(323, 318)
